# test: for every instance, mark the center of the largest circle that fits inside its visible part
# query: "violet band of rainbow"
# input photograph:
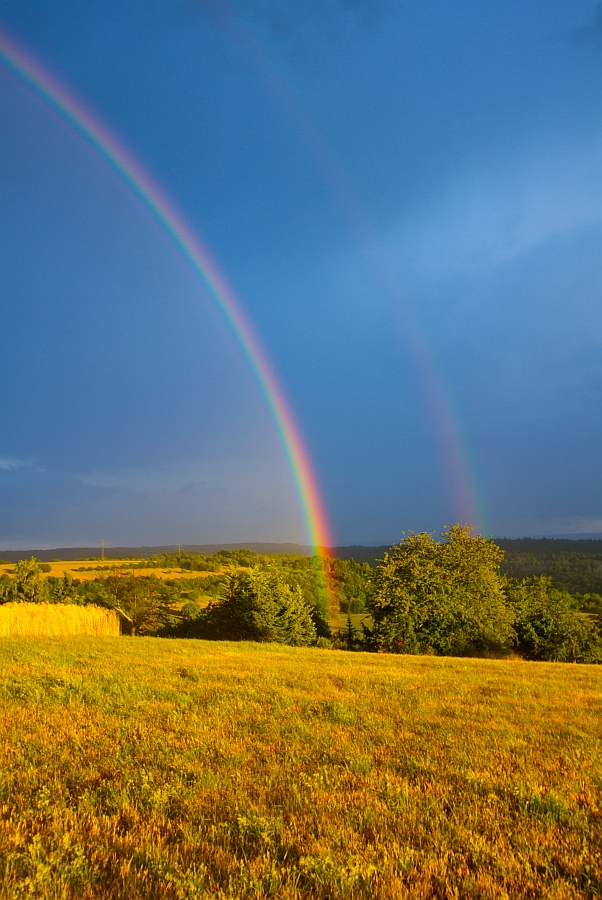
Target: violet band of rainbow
(37, 77)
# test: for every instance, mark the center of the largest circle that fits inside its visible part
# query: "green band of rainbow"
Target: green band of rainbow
(69, 108)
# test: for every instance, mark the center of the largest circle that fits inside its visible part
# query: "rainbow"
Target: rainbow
(28, 70)
(447, 430)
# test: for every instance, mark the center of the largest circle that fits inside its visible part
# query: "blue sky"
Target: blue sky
(407, 199)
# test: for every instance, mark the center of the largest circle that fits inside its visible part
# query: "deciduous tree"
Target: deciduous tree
(441, 597)
(28, 585)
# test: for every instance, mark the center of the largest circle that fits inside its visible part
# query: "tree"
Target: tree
(349, 638)
(144, 602)
(549, 624)
(351, 582)
(28, 585)
(441, 597)
(5, 588)
(63, 590)
(259, 606)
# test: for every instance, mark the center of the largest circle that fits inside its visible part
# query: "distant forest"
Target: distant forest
(573, 565)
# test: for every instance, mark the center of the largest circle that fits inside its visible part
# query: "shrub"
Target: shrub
(549, 624)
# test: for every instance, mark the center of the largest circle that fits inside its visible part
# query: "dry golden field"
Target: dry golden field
(148, 768)
(85, 570)
(56, 620)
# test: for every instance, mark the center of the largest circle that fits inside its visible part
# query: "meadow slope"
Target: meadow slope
(151, 768)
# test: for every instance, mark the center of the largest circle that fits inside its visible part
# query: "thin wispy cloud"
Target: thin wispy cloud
(8, 465)
(296, 26)
(153, 482)
(485, 220)
(300, 11)
(208, 481)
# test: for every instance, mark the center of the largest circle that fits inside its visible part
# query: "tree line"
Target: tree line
(442, 597)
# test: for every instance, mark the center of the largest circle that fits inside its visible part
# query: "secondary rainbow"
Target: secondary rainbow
(455, 459)
(95, 133)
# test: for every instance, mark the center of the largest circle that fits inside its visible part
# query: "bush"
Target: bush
(549, 624)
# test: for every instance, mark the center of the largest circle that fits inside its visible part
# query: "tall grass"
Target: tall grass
(56, 620)
(187, 770)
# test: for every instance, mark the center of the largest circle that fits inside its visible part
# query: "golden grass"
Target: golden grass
(56, 620)
(143, 768)
(72, 567)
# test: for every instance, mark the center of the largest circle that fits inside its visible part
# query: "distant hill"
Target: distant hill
(573, 564)
(361, 553)
(565, 544)
(357, 552)
(515, 549)
(144, 552)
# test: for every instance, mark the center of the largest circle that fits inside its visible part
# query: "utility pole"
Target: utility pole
(102, 549)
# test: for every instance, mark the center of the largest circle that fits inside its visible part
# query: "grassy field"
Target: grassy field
(86, 570)
(147, 768)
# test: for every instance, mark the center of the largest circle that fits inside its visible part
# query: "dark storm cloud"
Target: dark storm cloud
(591, 34)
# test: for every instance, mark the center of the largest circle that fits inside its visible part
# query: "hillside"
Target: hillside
(183, 769)
(76, 553)
(575, 565)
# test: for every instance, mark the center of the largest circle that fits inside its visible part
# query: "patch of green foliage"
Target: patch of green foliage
(259, 606)
(549, 623)
(573, 565)
(207, 585)
(445, 598)
(28, 586)
(194, 562)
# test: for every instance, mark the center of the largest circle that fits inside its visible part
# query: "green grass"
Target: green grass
(141, 768)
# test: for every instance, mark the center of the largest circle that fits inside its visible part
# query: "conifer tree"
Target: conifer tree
(261, 606)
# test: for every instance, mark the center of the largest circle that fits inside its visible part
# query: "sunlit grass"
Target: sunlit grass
(56, 620)
(184, 769)
(88, 570)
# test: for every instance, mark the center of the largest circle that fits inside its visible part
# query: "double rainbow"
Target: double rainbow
(29, 71)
